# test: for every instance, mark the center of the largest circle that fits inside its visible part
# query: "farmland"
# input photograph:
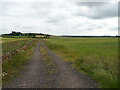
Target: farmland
(96, 57)
(2, 40)
(15, 53)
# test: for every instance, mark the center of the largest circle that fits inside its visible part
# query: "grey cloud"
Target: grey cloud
(108, 10)
(99, 10)
(91, 4)
(55, 19)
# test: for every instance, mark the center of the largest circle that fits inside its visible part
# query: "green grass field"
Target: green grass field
(16, 36)
(96, 57)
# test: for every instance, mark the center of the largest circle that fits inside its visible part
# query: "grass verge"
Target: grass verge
(11, 67)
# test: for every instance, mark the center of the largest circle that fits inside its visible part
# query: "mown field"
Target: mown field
(15, 53)
(96, 57)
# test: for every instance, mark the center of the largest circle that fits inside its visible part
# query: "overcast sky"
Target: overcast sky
(63, 17)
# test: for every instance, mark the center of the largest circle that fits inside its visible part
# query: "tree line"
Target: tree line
(33, 35)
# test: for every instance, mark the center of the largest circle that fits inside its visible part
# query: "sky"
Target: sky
(60, 17)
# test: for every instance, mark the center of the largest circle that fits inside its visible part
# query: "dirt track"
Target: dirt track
(35, 75)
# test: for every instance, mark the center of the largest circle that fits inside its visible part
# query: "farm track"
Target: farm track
(35, 74)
